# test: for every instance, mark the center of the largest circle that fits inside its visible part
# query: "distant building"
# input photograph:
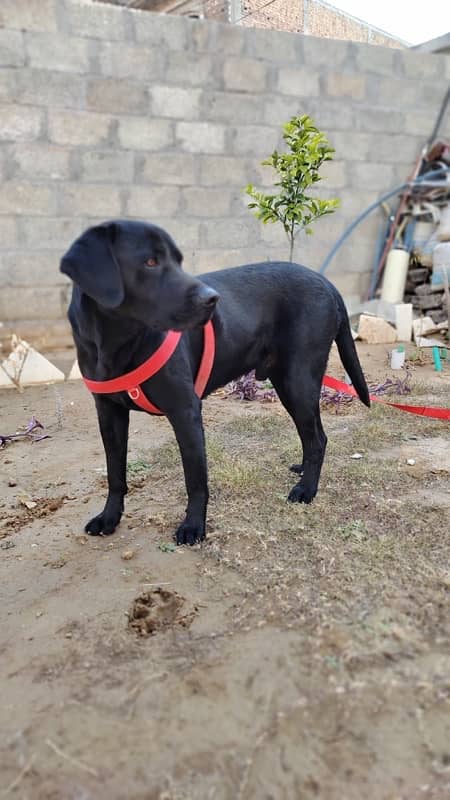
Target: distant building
(309, 17)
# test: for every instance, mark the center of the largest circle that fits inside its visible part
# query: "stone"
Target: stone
(25, 366)
(375, 330)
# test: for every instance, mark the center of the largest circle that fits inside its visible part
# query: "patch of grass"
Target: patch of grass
(269, 424)
(354, 529)
(138, 467)
(167, 456)
(233, 472)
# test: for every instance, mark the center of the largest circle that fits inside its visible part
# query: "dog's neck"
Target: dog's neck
(105, 342)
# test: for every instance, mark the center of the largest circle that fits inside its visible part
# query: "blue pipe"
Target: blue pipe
(371, 208)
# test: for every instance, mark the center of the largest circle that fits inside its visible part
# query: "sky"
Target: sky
(414, 22)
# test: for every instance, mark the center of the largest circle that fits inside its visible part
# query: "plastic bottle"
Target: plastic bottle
(398, 357)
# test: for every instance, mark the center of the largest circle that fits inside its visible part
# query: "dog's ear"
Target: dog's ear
(91, 264)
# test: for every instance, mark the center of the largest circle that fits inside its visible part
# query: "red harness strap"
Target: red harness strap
(131, 381)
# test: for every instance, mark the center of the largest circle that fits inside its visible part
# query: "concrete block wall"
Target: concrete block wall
(109, 112)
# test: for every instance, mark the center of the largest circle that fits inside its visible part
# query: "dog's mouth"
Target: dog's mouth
(190, 324)
(182, 322)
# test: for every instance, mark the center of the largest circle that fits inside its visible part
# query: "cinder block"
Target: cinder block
(329, 114)
(111, 166)
(180, 170)
(39, 160)
(302, 82)
(116, 97)
(41, 302)
(381, 121)
(392, 149)
(130, 61)
(420, 65)
(30, 15)
(21, 123)
(342, 84)
(161, 30)
(90, 200)
(48, 88)
(192, 69)
(274, 234)
(185, 232)
(12, 51)
(206, 202)
(226, 106)
(78, 128)
(330, 53)
(392, 93)
(379, 60)
(53, 233)
(375, 176)
(175, 101)
(44, 334)
(227, 233)
(8, 235)
(211, 260)
(26, 198)
(275, 46)
(355, 200)
(261, 175)
(334, 173)
(223, 171)
(255, 140)
(348, 284)
(351, 146)
(97, 21)
(57, 52)
(8, 85)
(145, 133)
(417, 123)
(152, 201)
(279, 109)
(244, 75)
(216, 37)
(18, 269)
(200, 137)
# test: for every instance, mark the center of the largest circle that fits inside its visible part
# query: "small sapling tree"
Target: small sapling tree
(298, 172)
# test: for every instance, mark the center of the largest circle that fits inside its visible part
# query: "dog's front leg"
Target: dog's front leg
(188, 427)
(113, 421)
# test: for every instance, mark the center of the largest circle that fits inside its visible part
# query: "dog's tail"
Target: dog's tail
(349, 356)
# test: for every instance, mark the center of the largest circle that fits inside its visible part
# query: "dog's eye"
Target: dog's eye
(151, 262)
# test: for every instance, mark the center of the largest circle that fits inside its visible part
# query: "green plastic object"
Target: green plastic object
(437, 359)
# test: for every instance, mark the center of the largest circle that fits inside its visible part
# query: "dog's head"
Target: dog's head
(134, 269)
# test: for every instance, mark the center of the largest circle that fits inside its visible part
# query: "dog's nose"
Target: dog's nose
(208, 297)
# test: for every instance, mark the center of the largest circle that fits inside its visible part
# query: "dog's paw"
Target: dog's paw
(301, 494)
(297, 468)
(103, 524)
(189, 534)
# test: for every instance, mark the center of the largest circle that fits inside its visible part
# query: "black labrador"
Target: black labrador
(276, 317)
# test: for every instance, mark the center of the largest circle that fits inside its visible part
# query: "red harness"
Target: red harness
(131, 381)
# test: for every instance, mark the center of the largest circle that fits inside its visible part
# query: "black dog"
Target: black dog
(275, 317)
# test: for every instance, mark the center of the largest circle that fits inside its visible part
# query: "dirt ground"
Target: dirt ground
(300, 653)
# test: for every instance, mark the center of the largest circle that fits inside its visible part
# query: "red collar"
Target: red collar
(130, 382)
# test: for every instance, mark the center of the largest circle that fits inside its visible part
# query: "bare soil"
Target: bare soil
(300, 653)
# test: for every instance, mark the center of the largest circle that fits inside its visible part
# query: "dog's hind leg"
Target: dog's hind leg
(299, 391)
(113, 421)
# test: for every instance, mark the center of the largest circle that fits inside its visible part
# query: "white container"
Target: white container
(398, 358)
(441, 264)
(443, 231)
(394, 278)
(403, 321)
